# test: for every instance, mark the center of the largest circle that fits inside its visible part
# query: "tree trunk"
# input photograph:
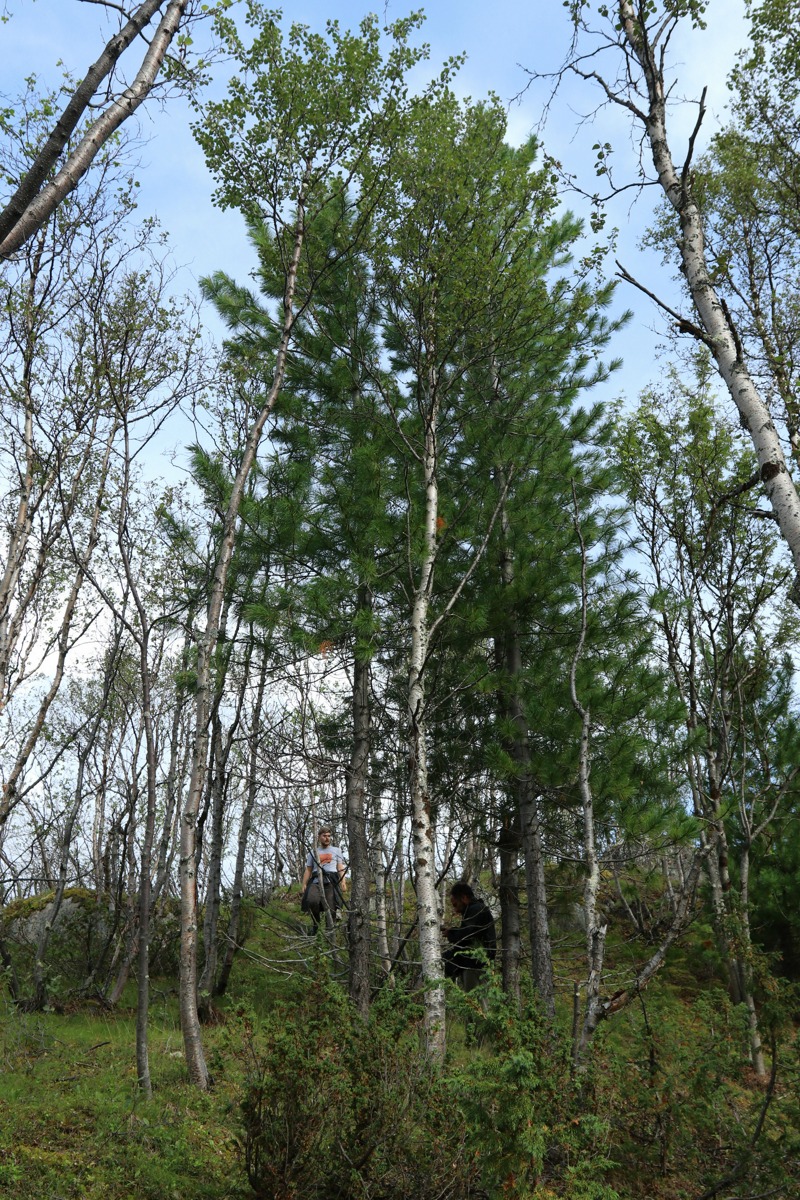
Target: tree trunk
(36, 200)
(595, 930)
(127, 890)
(381, 925)
(358, 924)
(397, 884)
(746, 970)
(176, 770)
(510, 928)
(718, 331)
(213, 897)
(428, 916)
(190, 1024)
(244, 831)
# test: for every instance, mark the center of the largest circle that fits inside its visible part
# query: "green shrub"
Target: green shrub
(338, 1107)
(524, 1117)
(683, 1104)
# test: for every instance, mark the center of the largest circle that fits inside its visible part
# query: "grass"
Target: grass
(74, 1126)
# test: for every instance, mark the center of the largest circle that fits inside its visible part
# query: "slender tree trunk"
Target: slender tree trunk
(381, 925)
(533, 857)
(145, 887)
(190, 1023)
(142, 636)
(176, 770)
(127, 885)
(428, 917)
(595, 929)
(244, 831)
(510, 927)
(397, 883)
(213, 897)
(715, 865)
(746, 970)
(358, 924)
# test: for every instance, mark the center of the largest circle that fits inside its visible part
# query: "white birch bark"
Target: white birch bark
(381, 926)
(756, 1048)
(421, 822)
(595, 929)
(35, 201)
(718, 331)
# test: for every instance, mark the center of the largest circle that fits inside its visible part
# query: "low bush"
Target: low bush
(339, 1107)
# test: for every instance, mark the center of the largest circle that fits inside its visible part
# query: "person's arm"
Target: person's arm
(308, 871)
(341, 868)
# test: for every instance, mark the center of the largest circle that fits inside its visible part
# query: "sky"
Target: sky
(504, 42)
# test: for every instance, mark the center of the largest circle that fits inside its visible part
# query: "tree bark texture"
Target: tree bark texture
(720, 335)
(421, 821)
(510, 927)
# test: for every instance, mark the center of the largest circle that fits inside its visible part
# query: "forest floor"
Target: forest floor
(73, 1125)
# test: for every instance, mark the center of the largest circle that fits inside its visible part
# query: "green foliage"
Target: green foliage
(679, 1107)
(665, 1112)
(719, 585)
(524, 1117)
(338, 1107)
(306, 112)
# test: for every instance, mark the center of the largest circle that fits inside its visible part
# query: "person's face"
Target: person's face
(459, 903)
(325, 837)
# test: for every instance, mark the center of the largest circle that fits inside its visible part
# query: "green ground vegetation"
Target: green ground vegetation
(310, 1101)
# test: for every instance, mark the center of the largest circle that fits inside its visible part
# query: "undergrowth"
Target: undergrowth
(310, 1101)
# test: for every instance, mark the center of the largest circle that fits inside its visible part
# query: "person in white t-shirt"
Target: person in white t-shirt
(328, 861)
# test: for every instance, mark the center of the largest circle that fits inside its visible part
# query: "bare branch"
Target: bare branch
(684, 326)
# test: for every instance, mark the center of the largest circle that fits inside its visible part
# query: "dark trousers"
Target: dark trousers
(313, 902)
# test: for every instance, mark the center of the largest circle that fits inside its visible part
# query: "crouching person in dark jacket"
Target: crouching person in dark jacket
(475, 933)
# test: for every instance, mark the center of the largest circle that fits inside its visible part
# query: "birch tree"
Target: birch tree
(747, 184)
(46, 176)
(307, 118)
(636, 36)
(69, 336)
(720, 595)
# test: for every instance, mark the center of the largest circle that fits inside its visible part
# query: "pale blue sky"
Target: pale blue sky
(500, 39)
